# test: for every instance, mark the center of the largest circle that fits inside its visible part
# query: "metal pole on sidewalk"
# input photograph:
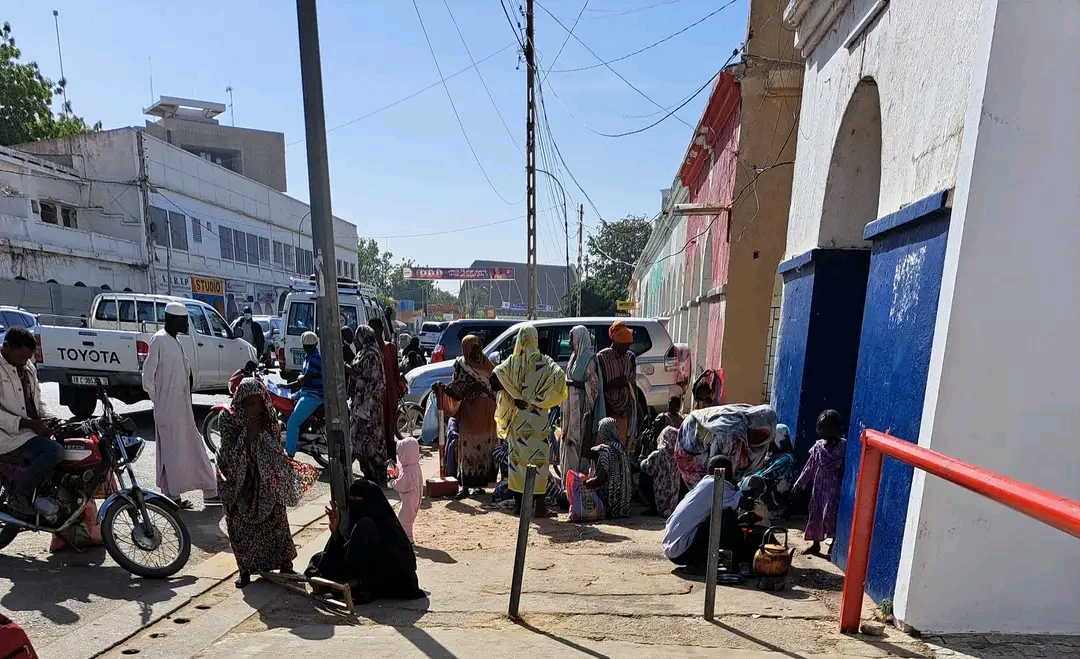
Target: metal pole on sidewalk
(322, 238)
(522, 540)
(712, 563)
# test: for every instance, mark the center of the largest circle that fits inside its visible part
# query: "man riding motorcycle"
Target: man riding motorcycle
(25, 428)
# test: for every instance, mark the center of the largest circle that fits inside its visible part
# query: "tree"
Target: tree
(612, 252)
(26, 98)
(374, 266)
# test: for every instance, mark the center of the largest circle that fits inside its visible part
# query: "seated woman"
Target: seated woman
(772, 484)
(686, 534)
(612, 472)
(373, 555)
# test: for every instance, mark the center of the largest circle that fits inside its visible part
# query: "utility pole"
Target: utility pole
(322, 238)
(580, 230)
(530, 159)
(566, 234)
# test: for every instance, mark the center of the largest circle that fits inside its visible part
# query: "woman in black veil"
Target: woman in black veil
(374, 556)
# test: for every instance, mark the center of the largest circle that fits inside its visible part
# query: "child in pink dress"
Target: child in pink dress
(823, 474)
(409, 484)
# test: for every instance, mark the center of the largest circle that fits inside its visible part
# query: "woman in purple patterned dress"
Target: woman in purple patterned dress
(823, 473)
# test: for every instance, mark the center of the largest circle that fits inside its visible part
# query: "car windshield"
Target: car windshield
(430, 327)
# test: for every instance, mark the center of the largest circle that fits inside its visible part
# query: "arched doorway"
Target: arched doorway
(281, 302)
(853, 188)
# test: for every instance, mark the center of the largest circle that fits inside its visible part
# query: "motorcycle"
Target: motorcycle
(410, 418)
(136, 522)
(312, 432)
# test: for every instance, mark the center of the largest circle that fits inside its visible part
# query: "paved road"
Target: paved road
(50, 594)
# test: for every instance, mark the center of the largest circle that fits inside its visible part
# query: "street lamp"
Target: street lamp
(699, 209)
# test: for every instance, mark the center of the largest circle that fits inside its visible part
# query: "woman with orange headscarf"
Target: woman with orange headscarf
(618, 369)
(473, 426)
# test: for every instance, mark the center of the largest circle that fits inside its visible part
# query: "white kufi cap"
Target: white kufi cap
(309, 339)
(175, 309)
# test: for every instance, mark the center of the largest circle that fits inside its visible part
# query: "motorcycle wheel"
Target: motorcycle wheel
(7, 535)
(127, 544)
(211, 431)
(319, 457)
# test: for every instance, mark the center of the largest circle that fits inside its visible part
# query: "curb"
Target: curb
(129, 618)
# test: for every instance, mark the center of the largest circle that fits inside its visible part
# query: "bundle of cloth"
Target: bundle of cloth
(742, 433)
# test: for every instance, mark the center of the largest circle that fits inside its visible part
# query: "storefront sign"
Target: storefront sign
(626, 305)
(265, 294)
(181, 284)
(234, 287)
(207, 286)
(459, 274)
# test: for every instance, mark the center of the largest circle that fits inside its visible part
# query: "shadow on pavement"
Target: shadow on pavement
(434, 555)
(84, 579)
(559, 639)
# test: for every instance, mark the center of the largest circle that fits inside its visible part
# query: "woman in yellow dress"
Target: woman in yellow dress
(530, 384)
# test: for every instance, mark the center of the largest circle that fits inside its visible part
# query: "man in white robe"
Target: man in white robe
(182, 461)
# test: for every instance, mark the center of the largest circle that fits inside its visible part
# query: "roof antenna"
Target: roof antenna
(232, 111)
(151, 60)
(63, 81)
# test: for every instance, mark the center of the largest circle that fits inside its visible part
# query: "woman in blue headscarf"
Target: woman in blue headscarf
(584, 405)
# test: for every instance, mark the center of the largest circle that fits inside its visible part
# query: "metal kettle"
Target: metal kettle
(773, 559)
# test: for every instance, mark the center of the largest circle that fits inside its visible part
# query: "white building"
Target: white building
(214, 234)
(929, 286)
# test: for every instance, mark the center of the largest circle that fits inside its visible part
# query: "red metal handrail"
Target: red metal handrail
(1049, 508)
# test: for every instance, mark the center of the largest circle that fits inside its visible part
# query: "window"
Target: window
(240, 246)
(68, 216)
(198, 320)
(352, 271)
(252, 249)
(159, 226)
(16, 319)
(178, 231)
(506, 348)
(348, 315)
(642, 341)
(48, 213)
(127, 311)
(290, 258)
(106, 310)
(264, 251)
(301, 318)
(196, 230)
(279, 254)
(150, 313)
(218, 326)
(225, 240)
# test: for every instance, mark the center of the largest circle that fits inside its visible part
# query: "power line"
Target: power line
(454, 108)
(456, 230)
(608, 66)
(482, 81)
(568, 34)
(650, 46)
(615, 13)
(412, 95)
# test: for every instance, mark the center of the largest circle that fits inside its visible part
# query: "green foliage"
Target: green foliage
(26, 98)
(611, 254)
(376, 267)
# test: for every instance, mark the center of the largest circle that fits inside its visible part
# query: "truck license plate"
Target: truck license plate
(89, 380)
(298, 357)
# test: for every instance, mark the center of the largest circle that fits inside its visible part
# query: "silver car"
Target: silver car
(661, 372)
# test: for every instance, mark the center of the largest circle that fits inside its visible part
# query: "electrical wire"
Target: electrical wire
(608, 66)
(482, 81)
(410, 96)
(615, 13)
(650, 46)
(567, 39)
(457, 116)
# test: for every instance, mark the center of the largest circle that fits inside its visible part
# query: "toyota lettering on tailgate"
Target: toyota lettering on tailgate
(88, 355)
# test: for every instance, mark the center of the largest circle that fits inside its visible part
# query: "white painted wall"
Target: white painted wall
(1003, 388)
(105, 247)
(919, 52)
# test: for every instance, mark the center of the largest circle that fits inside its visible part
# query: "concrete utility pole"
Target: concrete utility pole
(322, 238)
(530, 159)
(580, 230)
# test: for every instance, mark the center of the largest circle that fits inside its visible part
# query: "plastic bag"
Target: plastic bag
(429, 431)
(80, 535)
(585, 504)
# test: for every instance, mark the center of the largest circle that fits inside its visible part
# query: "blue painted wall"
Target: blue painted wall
(818, 346)
(906, 265)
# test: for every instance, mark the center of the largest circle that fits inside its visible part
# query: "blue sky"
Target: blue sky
(408, 170)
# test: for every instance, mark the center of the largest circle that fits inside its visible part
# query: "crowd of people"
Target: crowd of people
(585, 429)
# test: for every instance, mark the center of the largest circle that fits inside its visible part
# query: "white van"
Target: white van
(357, 304)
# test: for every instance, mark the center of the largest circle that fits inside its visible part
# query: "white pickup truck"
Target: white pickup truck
(110, 346)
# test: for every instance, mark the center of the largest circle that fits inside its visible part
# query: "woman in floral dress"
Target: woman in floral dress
(366, 414)
(474, 421)
(258, 483)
